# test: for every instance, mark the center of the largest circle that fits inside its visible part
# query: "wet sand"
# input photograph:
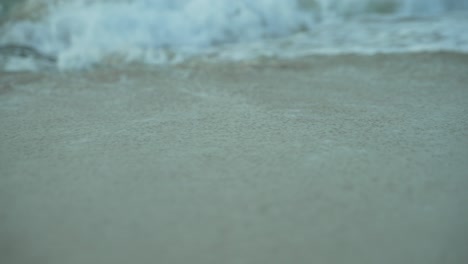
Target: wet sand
(345, 159)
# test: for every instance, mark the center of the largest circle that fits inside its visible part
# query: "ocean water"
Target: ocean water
(78, 34)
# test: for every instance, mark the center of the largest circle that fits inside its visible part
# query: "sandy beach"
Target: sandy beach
(324, 159)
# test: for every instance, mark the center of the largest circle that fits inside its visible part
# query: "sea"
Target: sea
(69, 35)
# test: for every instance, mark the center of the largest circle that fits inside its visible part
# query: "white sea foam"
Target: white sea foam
(80, 33)
(84, 32)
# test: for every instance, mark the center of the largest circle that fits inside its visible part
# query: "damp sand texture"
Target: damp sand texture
(339, 159)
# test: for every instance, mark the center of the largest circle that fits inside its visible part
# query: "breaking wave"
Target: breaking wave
(79, 33)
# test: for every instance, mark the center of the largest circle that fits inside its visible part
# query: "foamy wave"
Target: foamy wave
(79, 33)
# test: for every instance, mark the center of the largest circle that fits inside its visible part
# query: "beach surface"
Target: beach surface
(323, 159)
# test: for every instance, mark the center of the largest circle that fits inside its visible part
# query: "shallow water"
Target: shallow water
(322, 159)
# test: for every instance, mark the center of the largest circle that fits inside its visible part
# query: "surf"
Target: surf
(76, 34)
